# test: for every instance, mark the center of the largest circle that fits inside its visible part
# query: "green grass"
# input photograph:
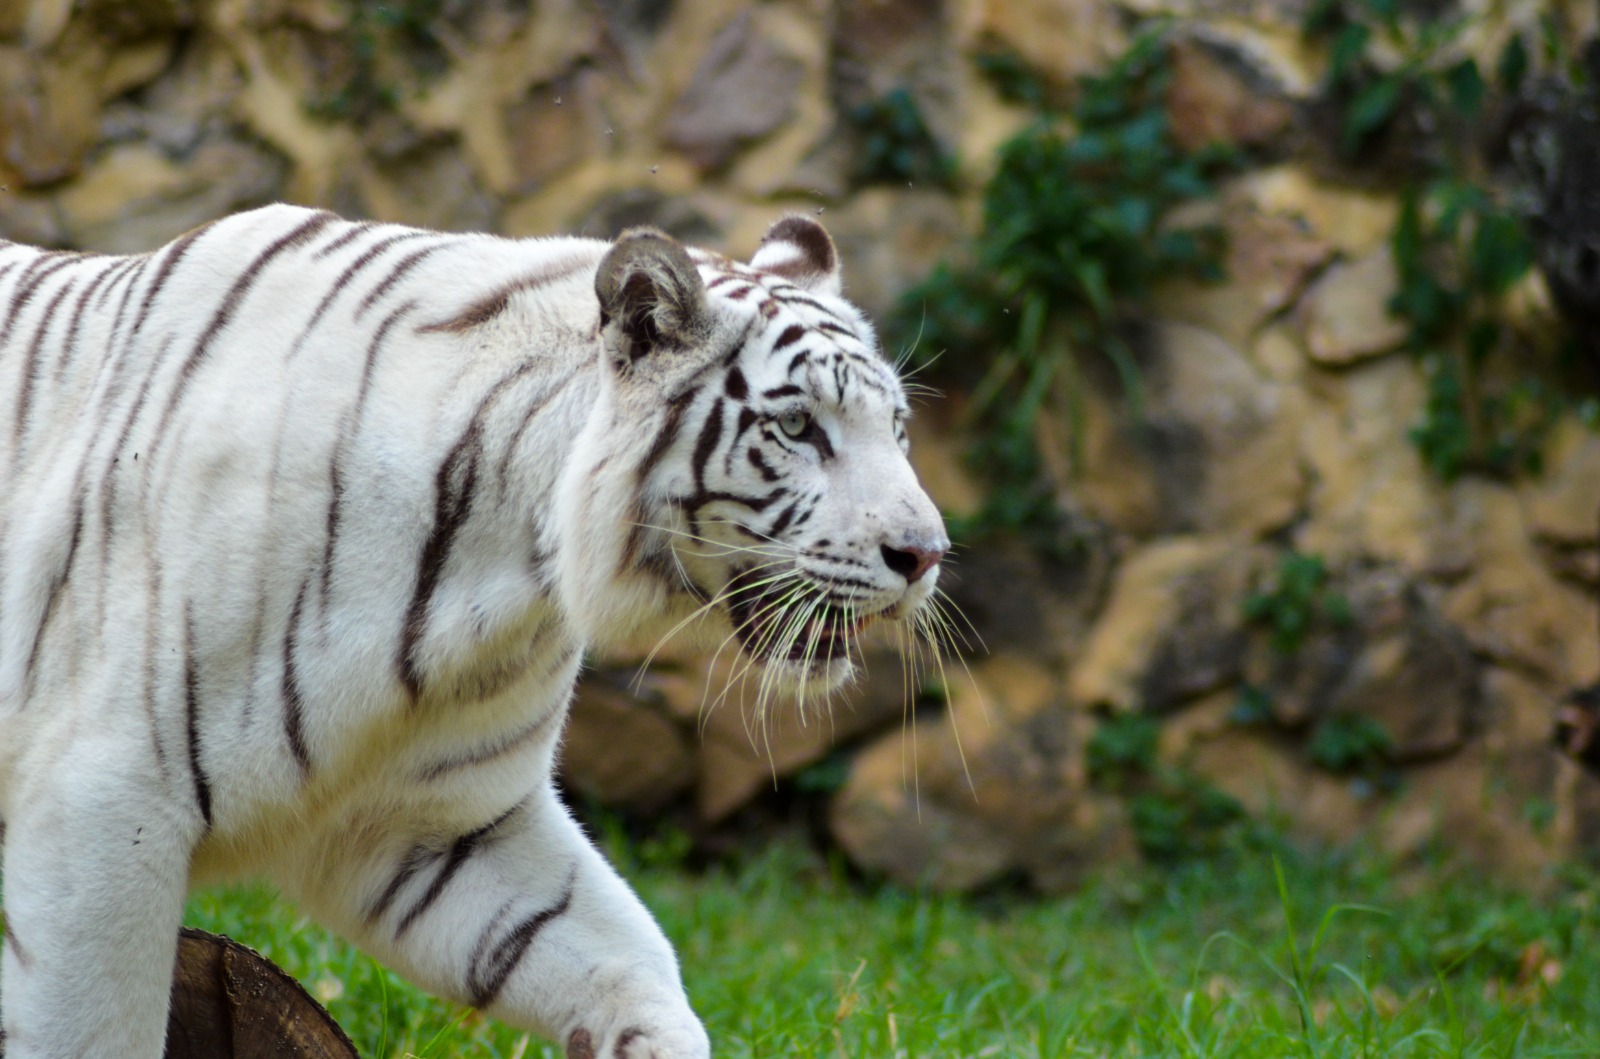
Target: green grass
(1249, 956)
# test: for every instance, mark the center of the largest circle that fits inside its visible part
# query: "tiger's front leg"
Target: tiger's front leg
(96, 864)
(523, 918)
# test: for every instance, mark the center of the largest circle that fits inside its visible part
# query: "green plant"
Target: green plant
(1398, 75)
(1123, 747)
(1299, 596)
(1459, 252)
(1175, 814)
(1422, 73)
(1074, 237)
(897, 146)
(1182, 817)
(1248, 956)
(1348, 742)
(383, 45)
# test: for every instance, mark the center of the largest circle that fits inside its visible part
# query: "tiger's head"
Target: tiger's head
(744, 470)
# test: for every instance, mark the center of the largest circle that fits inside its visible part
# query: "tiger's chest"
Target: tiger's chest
(442, 762)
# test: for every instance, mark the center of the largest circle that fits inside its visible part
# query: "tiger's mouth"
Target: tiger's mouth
(777, 620)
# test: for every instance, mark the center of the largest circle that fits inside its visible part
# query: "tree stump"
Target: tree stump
(229, 1002)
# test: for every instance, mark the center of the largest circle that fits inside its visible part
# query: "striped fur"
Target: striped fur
(306, 526)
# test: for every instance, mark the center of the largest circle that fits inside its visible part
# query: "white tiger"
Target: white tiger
(306, 525)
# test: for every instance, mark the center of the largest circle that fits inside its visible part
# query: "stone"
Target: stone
(889, 239)
(1215, 450)
(430, 185)
(1345, 314)
(1465, 806)
(1397, 662)
(1563, 503)
(1272, 779)
(49, 114)
(881, 47)
(32, 218)
(620, 751)
(1353, 221)
(1173, 628)
(995, 788)
(1050, 619)
(1217, 95)
(742, 90)
(1063, 41)
(744, 749)
(553, 127)
(1370, 495)
(938, 453)
(1511, 607)
(1270, 260)
(678, 216)
(134, 198)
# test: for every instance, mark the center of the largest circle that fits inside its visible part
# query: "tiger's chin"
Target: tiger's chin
(806, 653)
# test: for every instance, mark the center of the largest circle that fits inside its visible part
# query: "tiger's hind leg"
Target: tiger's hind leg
(96, 867)
(523, 917)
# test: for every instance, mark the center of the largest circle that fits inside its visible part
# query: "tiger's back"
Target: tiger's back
(158, 454)
(307, 523)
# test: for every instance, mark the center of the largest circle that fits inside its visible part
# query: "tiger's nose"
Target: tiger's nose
(912, 561)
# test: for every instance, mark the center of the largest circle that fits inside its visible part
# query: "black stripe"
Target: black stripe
(297, 236)
(347, 432)
(533, 408)
(492, 961)
(761, 465)
(791, 334)
(455, 486)
(57, 583)
(754, 503)
(706, 444)
(293, 704)
(352, 233)
(491, 752)
(191, 702)
(176, 249)
(455, 489)
(404, 265)
(497, 301)
(736, 387)
(69, 342)
(786, 390)
(784, 518)
(797, 299)
(460, 852)
(119, 272)
(29, 282)
(366, 258)
(152, 618)
(747, 419)
(676, 407)
(410, 864)
(30, 365)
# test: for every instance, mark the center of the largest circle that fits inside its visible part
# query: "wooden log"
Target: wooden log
(229, 1002)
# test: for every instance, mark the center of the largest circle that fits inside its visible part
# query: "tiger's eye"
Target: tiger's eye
(794, 424)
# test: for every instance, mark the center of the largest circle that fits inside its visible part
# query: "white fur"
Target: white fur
(184, 477)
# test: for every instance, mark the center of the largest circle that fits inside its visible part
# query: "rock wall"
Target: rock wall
(1134, 694)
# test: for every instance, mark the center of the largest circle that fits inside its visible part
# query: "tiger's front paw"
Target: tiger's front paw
(636, 1043)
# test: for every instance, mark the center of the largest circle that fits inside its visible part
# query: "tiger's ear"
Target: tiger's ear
(651, 296)
(798, 249)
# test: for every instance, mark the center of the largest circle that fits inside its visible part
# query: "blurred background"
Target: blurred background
(1262, 341)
